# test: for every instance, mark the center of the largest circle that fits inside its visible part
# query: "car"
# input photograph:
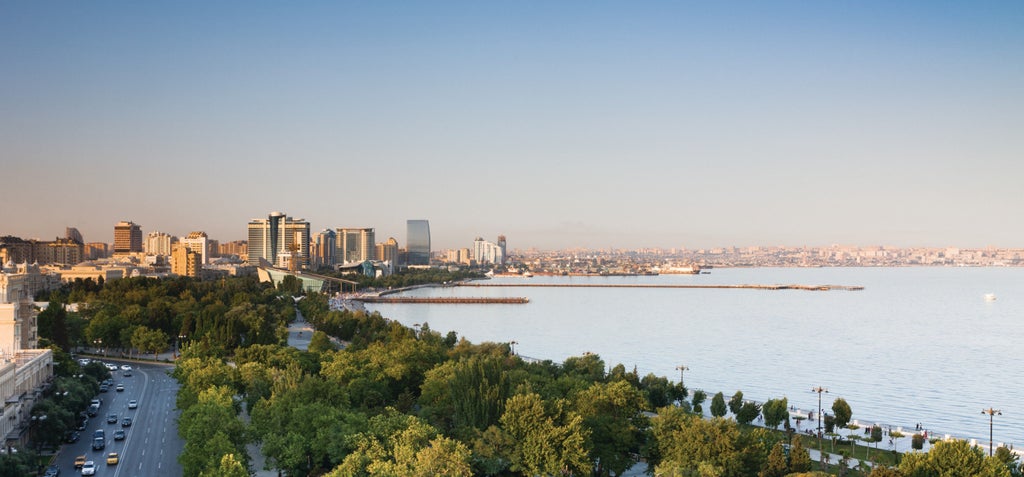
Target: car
(127, 373)
(71, 437)
(112, 367)
(82, 425)
(112, 419)
(112, 458)
(96, 402)
(133, 404)
(52, 471)
(119, 388)
(104, 388)
(89, 468)
(108, 382)
(119, 435)
(99, 433)
(79, 461)
(93, 409)
(126, 422)
(98, 443)
(125, 367)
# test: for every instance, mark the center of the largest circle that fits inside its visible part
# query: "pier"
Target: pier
(443, 300)
(637, 285)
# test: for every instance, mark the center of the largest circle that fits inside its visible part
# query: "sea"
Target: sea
(918, 346)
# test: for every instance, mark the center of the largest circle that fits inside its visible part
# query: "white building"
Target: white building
(199, 243)
(487, 252)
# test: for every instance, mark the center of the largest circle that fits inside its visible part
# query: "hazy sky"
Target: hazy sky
(557, 123)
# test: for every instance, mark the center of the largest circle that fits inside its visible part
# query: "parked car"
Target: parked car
(71, 436)
(104, 388)
(52, 471)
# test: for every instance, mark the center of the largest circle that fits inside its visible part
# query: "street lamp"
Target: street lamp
(512, 346)
(681, 368)
(819, 390)
(991, 413)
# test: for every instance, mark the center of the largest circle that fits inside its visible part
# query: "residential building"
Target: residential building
(238, 248)
(504, 248)
(276, 237)
(199, 243)
(388, 251)
(355, 245)
(127, 238)
(417, 242)
(159, 243)
(487, 252)
(65, 252)
(95, 250)
(185, 262)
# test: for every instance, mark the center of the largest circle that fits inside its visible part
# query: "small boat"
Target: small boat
(990, 297)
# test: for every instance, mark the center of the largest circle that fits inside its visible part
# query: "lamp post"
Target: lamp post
(681, 368)
(991, 413)
(819, 390)
(512, 346)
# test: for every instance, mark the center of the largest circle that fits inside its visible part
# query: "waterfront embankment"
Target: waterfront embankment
(650, 285)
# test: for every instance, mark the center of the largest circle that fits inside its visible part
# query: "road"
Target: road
(151, 446)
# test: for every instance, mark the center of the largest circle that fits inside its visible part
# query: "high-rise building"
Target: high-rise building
(159, 243)
(65, 252)
(355, 245)
(127, 237)
(236, 247)
(95, 250)
(388, 251)
(486, 252)
(185, 262)
(199, 243)
(417, 242)
(325, 246)
(276, 238)
(72, 233)
(504, 249)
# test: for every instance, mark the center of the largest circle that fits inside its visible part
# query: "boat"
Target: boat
(990, 297)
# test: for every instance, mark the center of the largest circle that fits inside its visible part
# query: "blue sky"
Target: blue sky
(559, 124)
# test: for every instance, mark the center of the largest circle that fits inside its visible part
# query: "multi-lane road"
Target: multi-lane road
(151, 445)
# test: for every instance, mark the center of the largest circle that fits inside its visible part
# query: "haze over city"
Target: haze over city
(557, 124)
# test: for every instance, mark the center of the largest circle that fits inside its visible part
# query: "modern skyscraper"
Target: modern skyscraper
(417, 242)
(503, 247)
(72, 233)
(355, 245)
(127, 237)
(325, 246)
(274, 238)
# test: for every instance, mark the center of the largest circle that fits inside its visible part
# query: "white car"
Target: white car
(89, 468)
(133, 404)
(125, 367)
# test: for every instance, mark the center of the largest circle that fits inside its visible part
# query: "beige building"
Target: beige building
(185, 262)
(355, 245)
(24, 370)
(388, 251)
(158, 243)
(199, 243)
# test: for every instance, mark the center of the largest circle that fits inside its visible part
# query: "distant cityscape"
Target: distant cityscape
(281, 241)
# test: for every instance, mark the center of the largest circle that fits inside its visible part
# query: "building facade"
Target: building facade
(355, 245)
(417, 242)
(185, 262)
(485, 252)
(127, 237)
(158, 243)
(388, 251)
(199, 243)
(325, 246)
(277, 238)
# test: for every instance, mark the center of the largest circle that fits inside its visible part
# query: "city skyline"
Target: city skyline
(575, 124)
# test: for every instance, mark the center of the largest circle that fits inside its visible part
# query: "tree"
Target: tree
(718, 408)
(687, 444)
(149, 340)
(748, 412)
(736, 402)
(917, 442)
(320, 343)
(546, 440)
(775, 412)
(230, 466)
(778, 464)
(611, 412)
(842, 412)
(699, 396)
(953, 459)
(799, 458)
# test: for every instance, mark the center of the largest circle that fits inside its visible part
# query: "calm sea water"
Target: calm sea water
(917, 345)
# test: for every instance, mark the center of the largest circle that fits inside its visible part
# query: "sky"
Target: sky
(559, 124)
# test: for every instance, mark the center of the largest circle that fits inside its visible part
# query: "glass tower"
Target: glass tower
(417, 242)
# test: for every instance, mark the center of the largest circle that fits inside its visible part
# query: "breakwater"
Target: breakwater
(639, 285)
(443, 300)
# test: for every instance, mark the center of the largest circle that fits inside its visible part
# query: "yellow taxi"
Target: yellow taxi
(112, 458)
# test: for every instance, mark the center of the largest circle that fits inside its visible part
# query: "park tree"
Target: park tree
(748, 412)
(778, 463)
(1010, 459)
(842, 412)
(211, 429)
(230, 466)
(884, 471)
(660, 392)
(546, 437)
(718, 408)
(149, 340)
(469, 393)
(699, 396)
(955, 458)
(396, 444)
(52, 323)
(799, 458)
(612, 414)
(775, 412)
(320, 343)
(736, 402)
(687, 443)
